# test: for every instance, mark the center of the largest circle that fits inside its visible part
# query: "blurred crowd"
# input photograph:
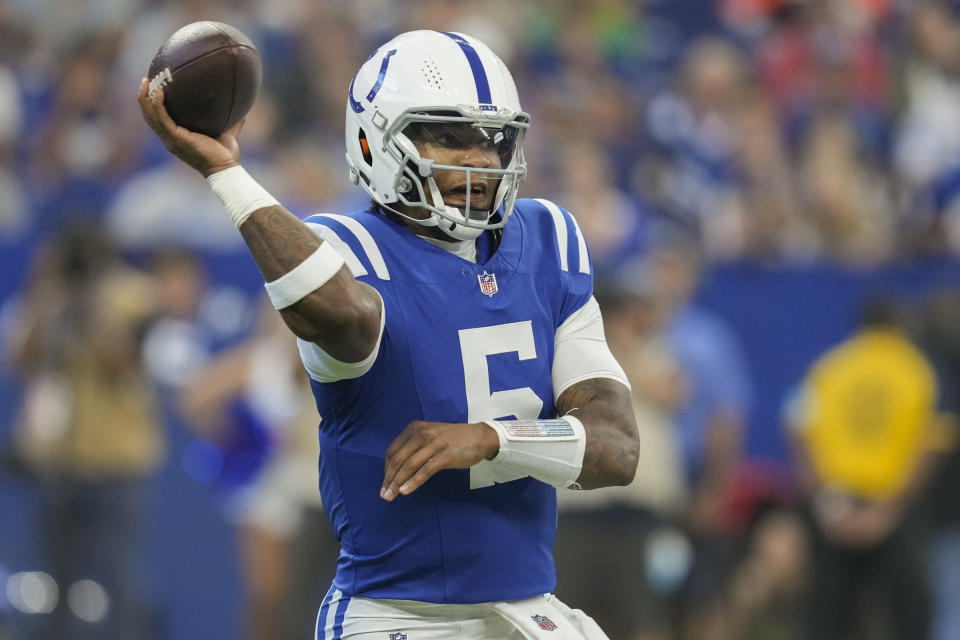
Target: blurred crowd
(781, 130)
(682, 135)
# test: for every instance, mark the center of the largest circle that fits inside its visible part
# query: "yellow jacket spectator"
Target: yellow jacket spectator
(864, 424)
(866, 413)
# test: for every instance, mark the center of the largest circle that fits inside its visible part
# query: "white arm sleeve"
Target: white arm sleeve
(323, 367)
(581, 351)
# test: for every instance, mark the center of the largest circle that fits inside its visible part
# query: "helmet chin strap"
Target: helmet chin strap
(458, 232)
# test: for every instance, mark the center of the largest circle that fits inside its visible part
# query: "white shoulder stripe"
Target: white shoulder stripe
(328, 235)
(366, 241)
(581, 248)
(561, 226)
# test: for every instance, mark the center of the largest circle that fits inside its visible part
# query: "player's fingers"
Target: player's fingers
(154, 114)
(397, 453)
(393, 466)
(160, 112)
(424, 473)
(399, 442)
(407, 470)
(410, 441)
(146, 105)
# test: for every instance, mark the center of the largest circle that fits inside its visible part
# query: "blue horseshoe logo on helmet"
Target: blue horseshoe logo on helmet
(355, 104)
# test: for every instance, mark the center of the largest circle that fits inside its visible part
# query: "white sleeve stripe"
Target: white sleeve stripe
(561, 225)
(323, 367)
(582, 248)
(580, 351)
(329, 235)
(366, 241)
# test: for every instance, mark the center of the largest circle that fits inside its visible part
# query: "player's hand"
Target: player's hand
(424, 448)
(205, 154)
(864, 525)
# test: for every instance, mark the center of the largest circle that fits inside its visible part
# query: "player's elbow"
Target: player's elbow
(627, 447)
(615, 464)
(626, 468)
(346, 328)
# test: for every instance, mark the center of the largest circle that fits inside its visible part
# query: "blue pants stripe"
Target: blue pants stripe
(338, 618)
(322, 616)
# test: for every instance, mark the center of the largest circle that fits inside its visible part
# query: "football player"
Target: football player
(454, 347)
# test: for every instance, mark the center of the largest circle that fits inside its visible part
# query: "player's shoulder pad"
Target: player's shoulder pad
(560, 230)
(350, 235)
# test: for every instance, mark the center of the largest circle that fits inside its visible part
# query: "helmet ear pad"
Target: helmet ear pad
(365, 147)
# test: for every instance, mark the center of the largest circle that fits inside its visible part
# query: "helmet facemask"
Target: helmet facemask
(481, 190)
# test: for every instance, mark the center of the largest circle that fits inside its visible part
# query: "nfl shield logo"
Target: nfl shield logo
(488, 283)
(398, 636)
(544, 623)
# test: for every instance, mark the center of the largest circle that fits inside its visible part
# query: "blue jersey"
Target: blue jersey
(462, 342)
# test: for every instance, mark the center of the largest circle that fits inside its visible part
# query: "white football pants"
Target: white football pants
(539, 618)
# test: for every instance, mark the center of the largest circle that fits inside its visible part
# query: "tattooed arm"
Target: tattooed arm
(343, 315)
(613, 447)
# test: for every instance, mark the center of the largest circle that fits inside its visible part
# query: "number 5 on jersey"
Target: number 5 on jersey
(475, 346)
(523, 403)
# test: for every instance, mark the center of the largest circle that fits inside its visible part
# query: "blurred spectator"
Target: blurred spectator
(636, 333)
(310, 68)
(288, 552)
(848, 203)
(607, 540)
(608, 217)
(766, 221)
(58, 25)
(942, 341)
(697, 127)
(768, 584)
(936, 216)
(584, 75)
(311, 178)
(711, 420)
(709, 423)
(928, 140)
(77, 153)
(583, 38)
(176, 343)
(819, 53)
(14, 208)
(89, 433)
(863, 422)
(168, 206)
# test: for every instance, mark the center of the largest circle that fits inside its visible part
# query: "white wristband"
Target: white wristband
(240, 193)
(549, 450)
(305, 278)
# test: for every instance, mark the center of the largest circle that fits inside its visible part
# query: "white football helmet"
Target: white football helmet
(451, 90)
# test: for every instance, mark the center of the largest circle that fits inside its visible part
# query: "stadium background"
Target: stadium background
(815, 161)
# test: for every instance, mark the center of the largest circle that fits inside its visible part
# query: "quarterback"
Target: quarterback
(454, 348)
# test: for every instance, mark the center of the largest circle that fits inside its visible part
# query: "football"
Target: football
(210, 73)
